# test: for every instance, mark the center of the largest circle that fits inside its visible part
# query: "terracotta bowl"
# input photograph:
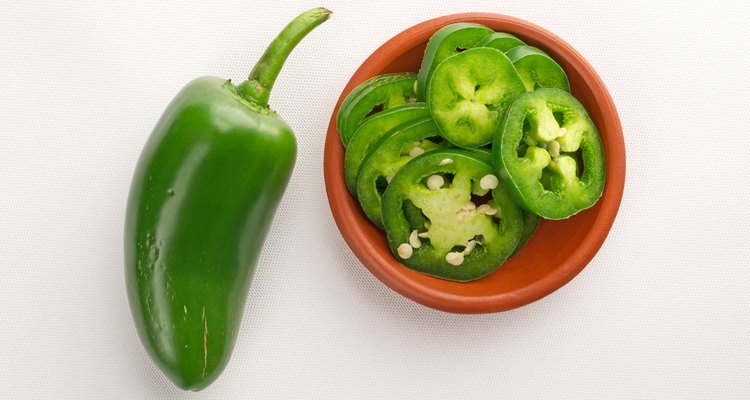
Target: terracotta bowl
(557, 252)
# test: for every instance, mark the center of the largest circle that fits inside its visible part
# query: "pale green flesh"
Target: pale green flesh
(442, 206)
(469, 92)
(559, 171)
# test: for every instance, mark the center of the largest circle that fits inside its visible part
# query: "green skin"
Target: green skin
(530, 220)
(370, 132)
(537, 69)
(384, 91)
(530, 223)
(387, 157)
(469, 93)
(448, 230)
(204, 193)
(539, 179)
(501, 41)
(447, 41)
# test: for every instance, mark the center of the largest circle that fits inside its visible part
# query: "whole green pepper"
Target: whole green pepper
(204, 193)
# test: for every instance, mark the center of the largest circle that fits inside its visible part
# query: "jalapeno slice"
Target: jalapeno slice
(469, 93)
(501, 41)
(371, 131)
(447, 41)
(549, 154)
(530, 223)
(537, 69)
(467, 226)
(397, 148)
(373, 95)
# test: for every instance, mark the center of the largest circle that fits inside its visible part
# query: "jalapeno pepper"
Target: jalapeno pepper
(447, 41)
(468, 225)
(549, 154)
(397, 148)
(537, 69)
(203, 196)
(501, 41)
(373, 95)
(371, 131)
(530, 223)
(469, 93)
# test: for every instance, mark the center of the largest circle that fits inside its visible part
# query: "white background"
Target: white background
(661, 312)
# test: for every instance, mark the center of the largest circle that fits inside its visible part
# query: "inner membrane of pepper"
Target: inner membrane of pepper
(449, 214)
(551, 141)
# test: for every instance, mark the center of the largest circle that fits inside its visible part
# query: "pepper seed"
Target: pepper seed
(416, 151)
(435, 182)
(454, 258)
(554, 148)
(405, 251)
(488, 182)
(414, 241)
(486, 209)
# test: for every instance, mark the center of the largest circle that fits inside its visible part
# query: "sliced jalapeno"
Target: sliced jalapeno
(393, 151)
(550, 155)
(371, 131)
(373, 95)
(469, 93)
(501, 41)
(530, 223)
(470, 224)
(447, 41)
(537, 69)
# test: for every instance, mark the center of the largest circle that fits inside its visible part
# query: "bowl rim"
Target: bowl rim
(377, 263)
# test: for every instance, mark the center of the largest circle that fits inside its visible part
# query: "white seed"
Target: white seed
(435, 182)
(486, 209)
(562, 132)
(424, 235)
(454, 258)
(463, 214)
(417, 144)
(416, 152)
(446, 161)
(554, 148)
(470, 206)
(470, 245)
(488, 182)
(388, 179)
(412, 99)
(414, 241)
(404, 251)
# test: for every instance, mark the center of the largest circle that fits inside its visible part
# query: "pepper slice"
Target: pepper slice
(530, 223)
(370, 132)
(537, 69)
(373, 95)
(447, 41)
(469, 93)
(397, 148)
(538, 152)
(501, 41)
(470, 229)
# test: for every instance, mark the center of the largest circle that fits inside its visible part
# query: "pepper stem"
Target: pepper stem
(257, 87)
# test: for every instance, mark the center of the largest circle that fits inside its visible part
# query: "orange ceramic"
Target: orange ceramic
(557, 252)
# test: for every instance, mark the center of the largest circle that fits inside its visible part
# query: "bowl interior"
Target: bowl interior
(557, 251)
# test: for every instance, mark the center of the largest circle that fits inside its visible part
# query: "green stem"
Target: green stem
(257, 87)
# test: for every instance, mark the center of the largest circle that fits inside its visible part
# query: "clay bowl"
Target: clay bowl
(557, 252)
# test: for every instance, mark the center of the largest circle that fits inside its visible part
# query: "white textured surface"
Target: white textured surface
(663, 311)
